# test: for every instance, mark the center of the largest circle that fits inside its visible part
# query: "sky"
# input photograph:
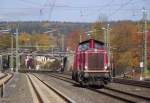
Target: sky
(73, 10)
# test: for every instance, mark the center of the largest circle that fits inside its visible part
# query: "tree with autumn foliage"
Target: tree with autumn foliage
(24, 39)
(73, 40)
(97, 31)
(124, 46)
(79, 35)
(43, 41)
(148, 52)
(5, 41)
(38, 41)
(75, 37)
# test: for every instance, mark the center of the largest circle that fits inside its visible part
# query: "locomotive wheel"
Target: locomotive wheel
(73, 75)
(76, 76)
(84, 84)
(81, 79)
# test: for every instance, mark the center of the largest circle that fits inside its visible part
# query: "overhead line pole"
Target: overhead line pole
(17, 49)
(105, 39)
(62, 41)
(108, 43)
(145, 40)
(12, 49)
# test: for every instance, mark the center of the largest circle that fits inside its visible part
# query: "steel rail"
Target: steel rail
(66, 79)
(39, 99)
(61, 95)
(5, 74)
(3, 77)
(145, 84)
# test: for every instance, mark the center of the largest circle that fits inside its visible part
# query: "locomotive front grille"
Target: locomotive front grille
(95, 61)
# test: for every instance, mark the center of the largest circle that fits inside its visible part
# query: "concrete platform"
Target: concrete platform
(17, 90)
(1, 74)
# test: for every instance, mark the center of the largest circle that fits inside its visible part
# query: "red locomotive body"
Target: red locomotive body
(91, 63)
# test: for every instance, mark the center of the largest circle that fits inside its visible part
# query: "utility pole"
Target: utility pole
(1, 63)
(17, 54)
(80, 37)
(12, 54)
(62, 42)
(105, 37)
(95, 33)
(145, 40)
(107, 41)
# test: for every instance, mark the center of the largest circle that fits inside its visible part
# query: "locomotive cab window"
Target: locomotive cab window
(99, 46)
(84, 46)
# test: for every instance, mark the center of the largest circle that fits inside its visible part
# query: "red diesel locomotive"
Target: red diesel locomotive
(91, 64)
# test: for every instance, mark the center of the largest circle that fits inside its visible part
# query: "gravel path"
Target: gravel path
(17, 90)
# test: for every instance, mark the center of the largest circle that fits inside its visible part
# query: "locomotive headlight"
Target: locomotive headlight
(95, 50)
(105, 67)
(86, 67)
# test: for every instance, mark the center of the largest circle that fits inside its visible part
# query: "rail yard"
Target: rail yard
(74, 51)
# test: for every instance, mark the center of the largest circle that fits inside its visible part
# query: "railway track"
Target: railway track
(45, 93)
(3, 75)
(145, 84)
(5, 78)
(108, 91)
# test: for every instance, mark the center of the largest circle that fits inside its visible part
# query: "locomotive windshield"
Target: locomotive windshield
(84, 46)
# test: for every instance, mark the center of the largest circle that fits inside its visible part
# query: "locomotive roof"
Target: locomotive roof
(96, 41)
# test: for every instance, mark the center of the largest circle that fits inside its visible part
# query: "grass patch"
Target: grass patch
(147, 74)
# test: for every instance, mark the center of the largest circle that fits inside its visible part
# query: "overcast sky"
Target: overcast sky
(72, 10)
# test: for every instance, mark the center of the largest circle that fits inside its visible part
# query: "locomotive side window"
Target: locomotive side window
(99, 46)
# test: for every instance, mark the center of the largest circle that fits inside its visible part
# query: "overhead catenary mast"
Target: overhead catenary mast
(145, 39)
